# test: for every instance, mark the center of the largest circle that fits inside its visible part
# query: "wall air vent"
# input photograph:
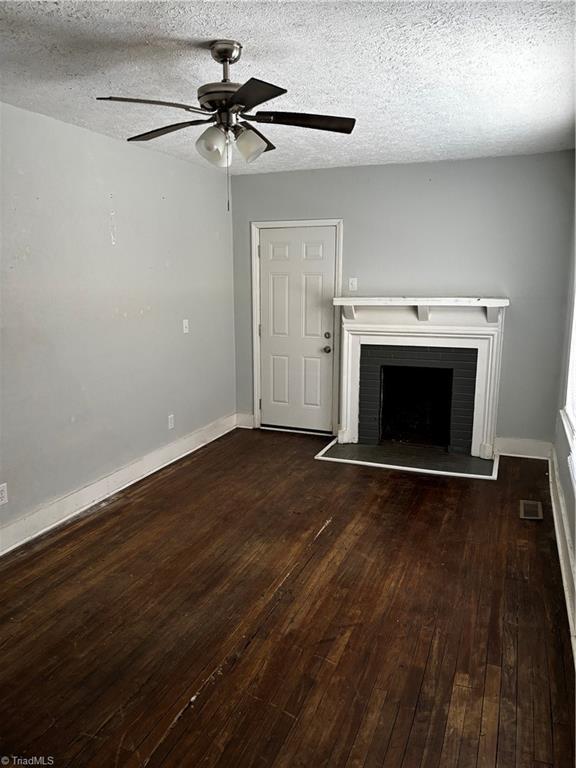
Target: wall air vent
(530, 510)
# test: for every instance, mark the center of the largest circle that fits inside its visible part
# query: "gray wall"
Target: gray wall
(492, 227)
(106, 247)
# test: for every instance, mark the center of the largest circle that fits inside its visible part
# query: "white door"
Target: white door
(297, 279)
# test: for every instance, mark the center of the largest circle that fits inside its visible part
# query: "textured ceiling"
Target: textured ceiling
(426, 81)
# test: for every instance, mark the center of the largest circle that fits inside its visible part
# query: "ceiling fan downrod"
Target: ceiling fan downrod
(226, 52)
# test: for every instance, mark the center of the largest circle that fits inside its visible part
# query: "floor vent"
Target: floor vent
(531, 510)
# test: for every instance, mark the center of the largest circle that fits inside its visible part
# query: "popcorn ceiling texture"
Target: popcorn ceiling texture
(426, 81)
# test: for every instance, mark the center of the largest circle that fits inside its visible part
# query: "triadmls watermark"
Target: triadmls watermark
(32, 760)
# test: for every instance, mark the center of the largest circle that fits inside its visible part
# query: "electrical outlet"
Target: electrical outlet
(185, 326)
(3, 493)
(352, 283)
(170, 421)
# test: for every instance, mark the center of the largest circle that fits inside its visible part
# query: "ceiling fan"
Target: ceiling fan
(228, 105)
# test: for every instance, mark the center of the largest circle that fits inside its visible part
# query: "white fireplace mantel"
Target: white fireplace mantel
(475, 323)
(422, 304)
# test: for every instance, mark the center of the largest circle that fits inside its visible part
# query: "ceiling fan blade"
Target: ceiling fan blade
(176, 104)
(255, 92)
(167, 129)
(303, 120)
(269, 144)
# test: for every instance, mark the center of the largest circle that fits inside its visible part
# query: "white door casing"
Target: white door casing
(297, 280)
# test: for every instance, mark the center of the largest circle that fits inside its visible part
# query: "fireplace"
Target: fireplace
(417, 395)
(452, 346)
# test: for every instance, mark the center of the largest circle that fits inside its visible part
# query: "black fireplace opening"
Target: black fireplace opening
(417, 395)
(415, 404)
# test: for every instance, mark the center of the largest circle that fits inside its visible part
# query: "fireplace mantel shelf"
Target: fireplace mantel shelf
(422, 304)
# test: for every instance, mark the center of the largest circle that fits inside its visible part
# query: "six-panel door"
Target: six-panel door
(297, 277)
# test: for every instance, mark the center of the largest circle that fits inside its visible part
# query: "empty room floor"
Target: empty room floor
(249, 606)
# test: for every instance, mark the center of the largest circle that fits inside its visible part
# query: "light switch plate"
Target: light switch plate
(3, 493)
(185, 326)
(352, 283)
(170, 421)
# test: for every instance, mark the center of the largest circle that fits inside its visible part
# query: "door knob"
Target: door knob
(327, 335)
(327, 349)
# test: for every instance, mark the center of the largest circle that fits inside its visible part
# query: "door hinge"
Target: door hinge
(259, 247)
(260, 403)
(259, 329)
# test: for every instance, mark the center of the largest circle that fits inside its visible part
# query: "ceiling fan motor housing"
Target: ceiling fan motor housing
(215, 95)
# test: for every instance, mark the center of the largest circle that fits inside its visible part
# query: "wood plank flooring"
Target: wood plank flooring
(250, 606)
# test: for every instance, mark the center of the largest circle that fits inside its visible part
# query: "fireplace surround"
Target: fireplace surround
(433, 324)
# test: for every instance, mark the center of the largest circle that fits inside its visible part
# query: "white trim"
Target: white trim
(295, 431)
(570, 433)
(564, 544)
(321, 457)
(486, 339)
(418, 301)
(572, 469)
(422, 304)
(245, 420)
(524, 448)
(61, 510)
(256, 365)
(255, 227)
(569, 429)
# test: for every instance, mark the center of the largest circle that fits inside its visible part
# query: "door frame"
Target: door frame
(255, 227)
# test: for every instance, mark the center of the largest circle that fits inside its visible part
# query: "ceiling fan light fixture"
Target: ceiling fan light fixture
(250, 144)
(212, 145)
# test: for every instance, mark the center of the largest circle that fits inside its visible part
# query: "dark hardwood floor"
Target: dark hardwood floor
(250, 606)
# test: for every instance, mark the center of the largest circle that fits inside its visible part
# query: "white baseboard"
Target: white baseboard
(245, 420)
(66, 507)
(565, 545)
(518, 446)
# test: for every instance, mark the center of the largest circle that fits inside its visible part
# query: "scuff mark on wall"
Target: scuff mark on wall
(112, 227)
